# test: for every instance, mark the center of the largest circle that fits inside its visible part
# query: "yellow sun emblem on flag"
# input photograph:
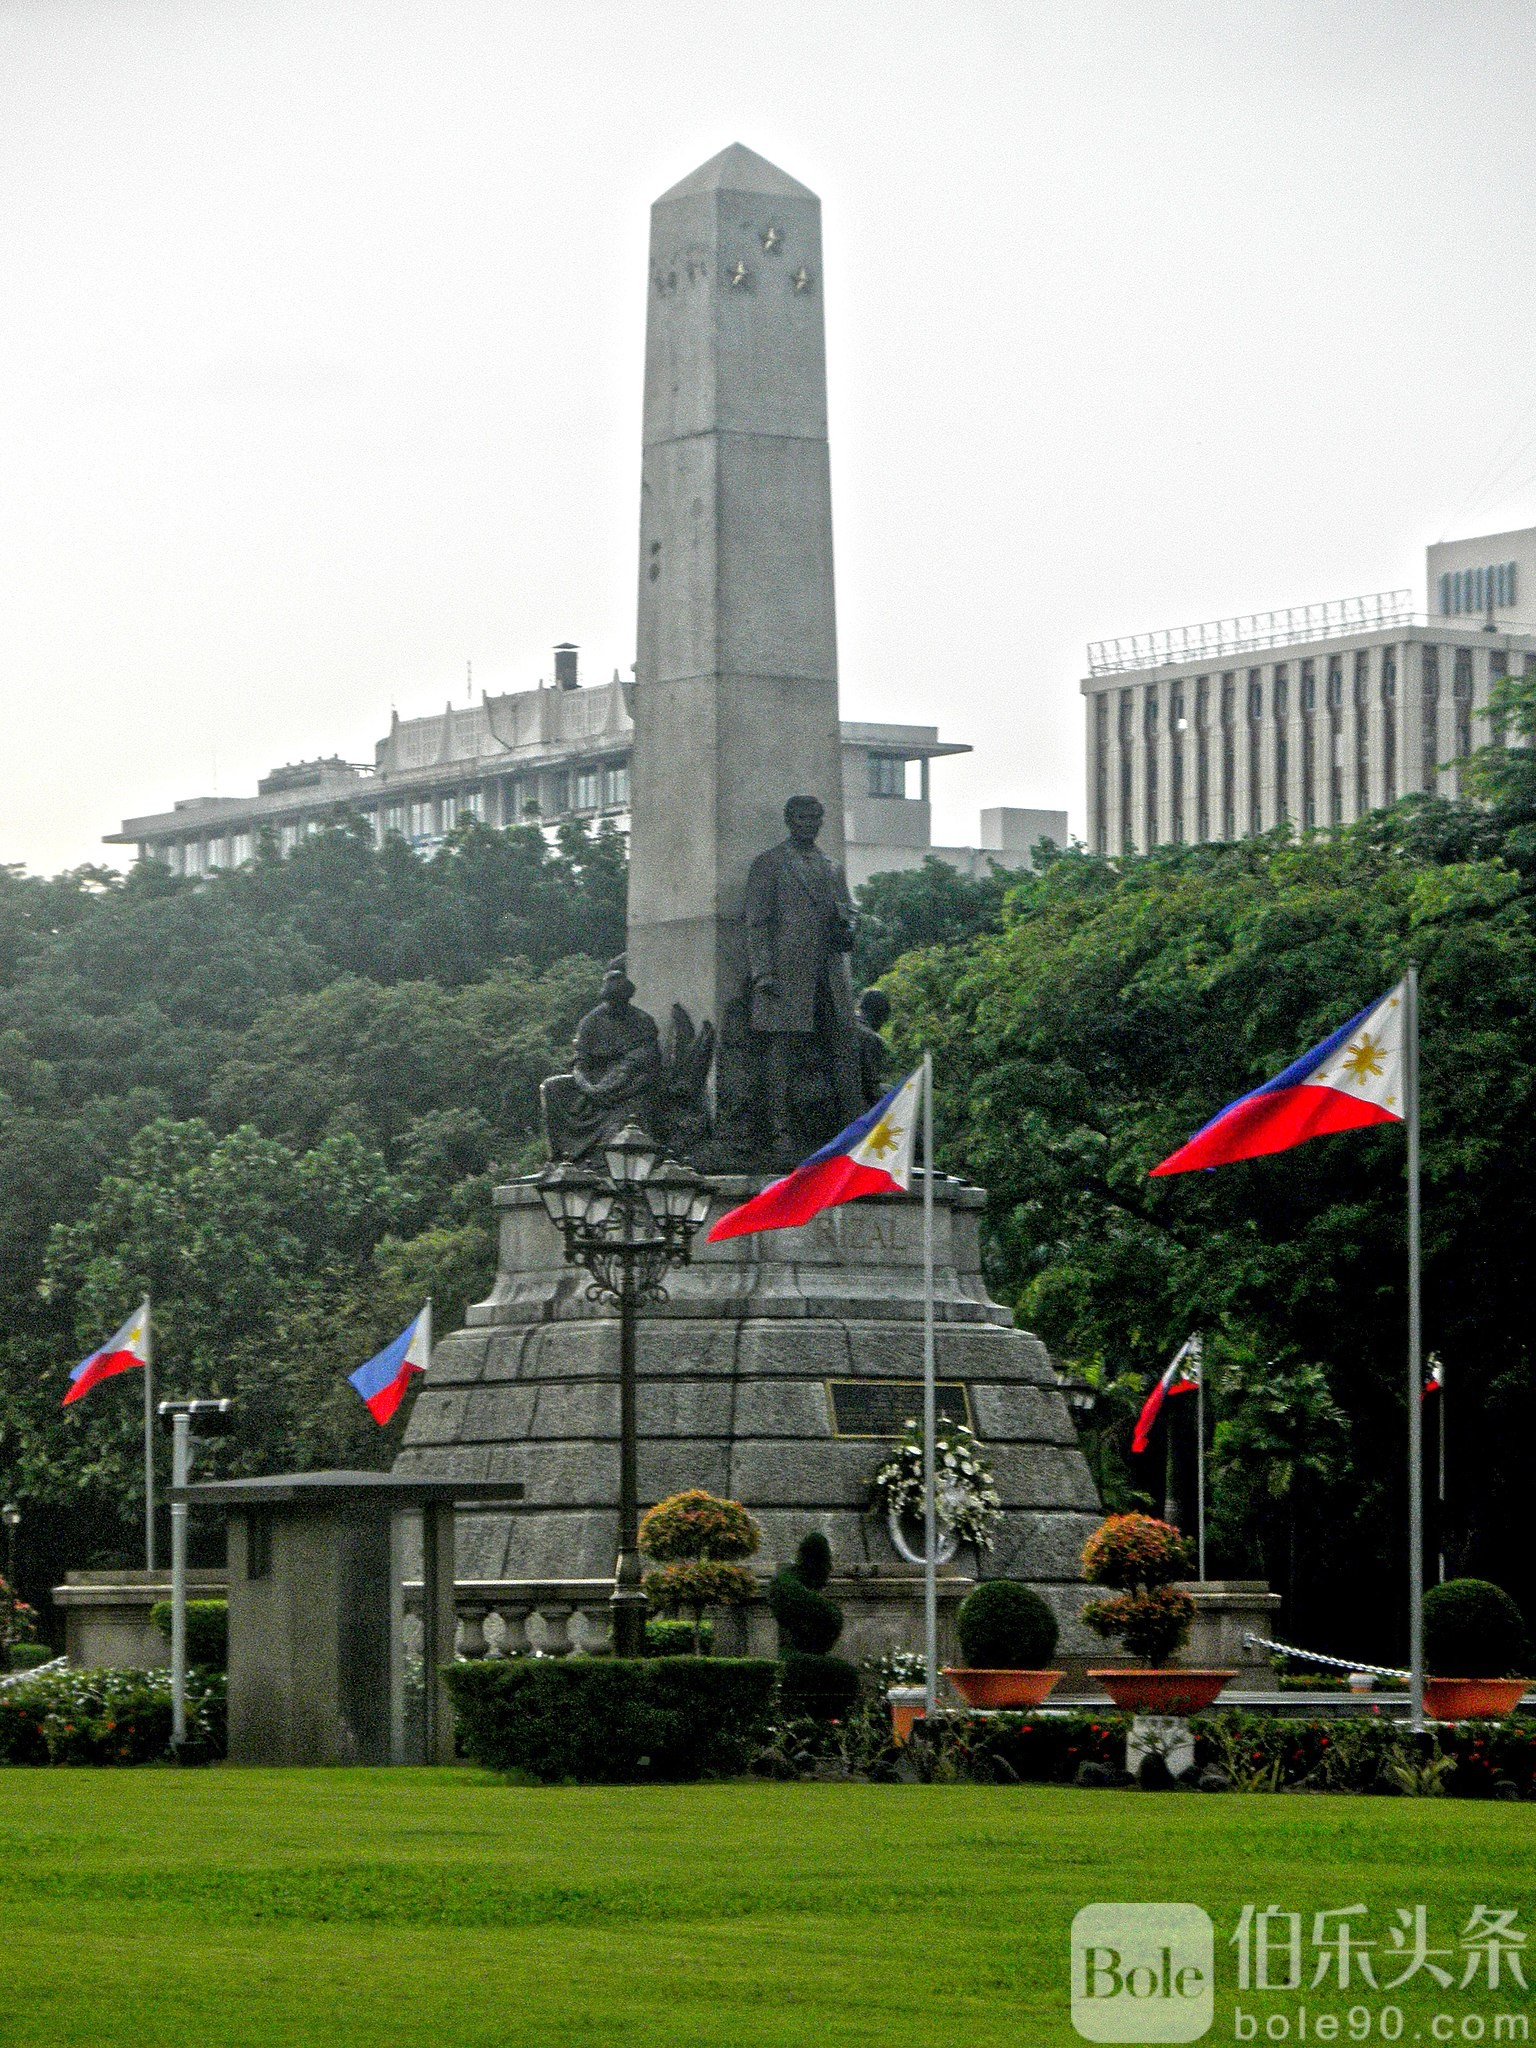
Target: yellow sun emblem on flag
(1364, 1059)
(885, 1137)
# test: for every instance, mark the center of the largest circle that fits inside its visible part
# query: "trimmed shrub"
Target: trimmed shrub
(809, 1623)
(825, 1688)
(207, 1630)
(1473, 1629)
(676, 1639)
(813, 1561)
(107, 1717)
(696, 1538)
(27, 1656)
(1004, 1626)
(606, 1720)
(1140, 1557)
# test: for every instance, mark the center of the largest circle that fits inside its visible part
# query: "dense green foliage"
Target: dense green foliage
(1119, 1004)
(1004, 1626)
(276, 1099)
(820, 1687)
(809, 1623)
(609, 1719)
(207, 1630)
(1472, 1629)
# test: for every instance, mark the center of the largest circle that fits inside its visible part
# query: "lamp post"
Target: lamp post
(10, 1515)
(628, 1228)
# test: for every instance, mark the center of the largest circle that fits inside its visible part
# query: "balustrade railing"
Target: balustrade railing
(511, 1617)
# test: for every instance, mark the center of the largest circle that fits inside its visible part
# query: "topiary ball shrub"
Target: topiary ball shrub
(207, 1630)
(813, 1561)
(1141, 1557)
(1004, 1626)
(820, 1688)
(809, 1623)
(1473, 1629)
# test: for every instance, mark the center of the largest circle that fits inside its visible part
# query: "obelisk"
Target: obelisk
(735, 698)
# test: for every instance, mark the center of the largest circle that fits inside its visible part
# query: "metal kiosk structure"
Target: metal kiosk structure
(318, 1664)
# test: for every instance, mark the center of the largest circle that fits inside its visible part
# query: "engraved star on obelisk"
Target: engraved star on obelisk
(772, 238)
(802, 279)
(737, 275)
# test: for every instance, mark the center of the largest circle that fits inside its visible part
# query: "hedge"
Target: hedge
(608, 1719)
(207, 1630)
(106, 1717)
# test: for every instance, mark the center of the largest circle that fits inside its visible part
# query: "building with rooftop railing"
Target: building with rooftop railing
(548, 755)
(1311, 716)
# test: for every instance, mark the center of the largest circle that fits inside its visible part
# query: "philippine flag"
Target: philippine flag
(1352, 1079)
(130, 1347)
(1182, 1377)
(1435, 1383)
(383, 1380)
(872, 1157)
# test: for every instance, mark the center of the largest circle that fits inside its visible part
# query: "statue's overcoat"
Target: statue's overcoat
(799, 929)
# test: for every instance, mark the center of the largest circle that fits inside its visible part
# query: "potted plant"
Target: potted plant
(1473, 1628)
(1007, 1635)
(1139, 1558)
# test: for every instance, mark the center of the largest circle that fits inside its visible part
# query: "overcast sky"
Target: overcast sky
(321, 330)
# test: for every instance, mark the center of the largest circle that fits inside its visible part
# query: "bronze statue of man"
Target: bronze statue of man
(616, 1075)
(800, 922)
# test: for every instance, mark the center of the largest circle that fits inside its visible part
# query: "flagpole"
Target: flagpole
(1415, 1361)
(930, 1422)
(149, 1439)
(1440, 1517)
(1200, 1456)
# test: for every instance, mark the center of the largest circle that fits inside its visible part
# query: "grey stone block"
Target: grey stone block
(1018, 1413)
(781, 1408)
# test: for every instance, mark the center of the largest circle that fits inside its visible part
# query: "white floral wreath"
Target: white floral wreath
(965, 1500)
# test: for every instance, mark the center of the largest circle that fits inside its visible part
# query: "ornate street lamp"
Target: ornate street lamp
(628, 1228)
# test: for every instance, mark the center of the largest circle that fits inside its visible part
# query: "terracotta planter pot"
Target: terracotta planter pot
(1167, 1690)
(908, 1703)
(1461, 1699)
(1001, 1688)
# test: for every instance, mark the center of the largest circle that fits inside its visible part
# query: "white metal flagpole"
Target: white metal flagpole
(149, 1439)
(1200, 1455)
(1415, 1360)
(930, 1423)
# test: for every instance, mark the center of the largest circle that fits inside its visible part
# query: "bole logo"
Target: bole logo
(1143, 1973)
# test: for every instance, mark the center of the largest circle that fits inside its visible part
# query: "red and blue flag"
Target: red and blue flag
(1353, 1079)
(383, 1380)
(120, 1353)
(873, 1156)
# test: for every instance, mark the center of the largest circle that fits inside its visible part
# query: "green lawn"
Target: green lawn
(235, 1906)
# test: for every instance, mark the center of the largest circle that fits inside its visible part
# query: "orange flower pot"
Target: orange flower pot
(1001, 1688)
(908, 1703)
(1170, 1689)
(1461, 1699)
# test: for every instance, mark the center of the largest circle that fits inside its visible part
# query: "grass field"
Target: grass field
(223, 1907)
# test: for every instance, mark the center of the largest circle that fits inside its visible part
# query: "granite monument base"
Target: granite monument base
(778, 1373)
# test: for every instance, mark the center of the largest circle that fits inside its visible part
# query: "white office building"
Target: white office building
(1312, 716)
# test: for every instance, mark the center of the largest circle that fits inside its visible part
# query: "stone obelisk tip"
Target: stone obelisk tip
(739, 169)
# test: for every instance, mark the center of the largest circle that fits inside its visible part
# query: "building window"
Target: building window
(421, 819)
(1282, 740)
(616, 786)
(559, 786)
(1498, 669)
(1202, 766)
(1362, 733)
(472, 805)
(1149, 724)
(1101, 770)
(394, 818)
(239, 848)
(1389, 724)
(1461, 694)
(1228, 788)
(1127, 718)
(1255, 751)
(1430, 716)
(288, 837)
(588, 785)
(1309, 744)
(887, 775)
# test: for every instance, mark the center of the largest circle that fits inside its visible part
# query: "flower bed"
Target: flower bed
(106, 1717)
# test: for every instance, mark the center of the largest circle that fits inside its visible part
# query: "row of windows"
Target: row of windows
(1474, 590)
(585, 789)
